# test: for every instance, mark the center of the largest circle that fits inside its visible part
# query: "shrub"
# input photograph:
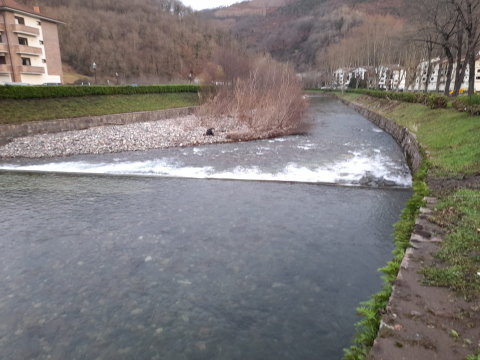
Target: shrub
(474, 99)
(34, 92)
(266, 103)
(437, 101)
(460, 104)
(434, 100)
(421, 98)
(468, 104)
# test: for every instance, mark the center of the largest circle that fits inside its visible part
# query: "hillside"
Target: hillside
(296, 30)
(142, 40)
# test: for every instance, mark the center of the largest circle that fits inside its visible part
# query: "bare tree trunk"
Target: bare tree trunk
(437, 87)
(448, 79)
(471, 66)
(459, 73)
(429, 66)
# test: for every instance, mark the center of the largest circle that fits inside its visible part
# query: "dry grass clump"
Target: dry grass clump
(266, 103)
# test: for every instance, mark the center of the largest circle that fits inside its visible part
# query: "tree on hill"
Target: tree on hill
(159, 40)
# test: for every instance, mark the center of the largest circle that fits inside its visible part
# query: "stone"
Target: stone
(136, 312)
(205, 331)
(158, 331)
(184, 282)
(201, 345)
(148, 258)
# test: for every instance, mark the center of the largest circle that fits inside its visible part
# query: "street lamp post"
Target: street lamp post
(95, 68)
(116, 74)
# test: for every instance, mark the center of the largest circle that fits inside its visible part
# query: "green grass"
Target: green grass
(452, 138)
(475, 356)
(18, 111)
(458, 260)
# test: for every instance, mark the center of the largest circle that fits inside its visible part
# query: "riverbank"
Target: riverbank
(14, 111)
(175, 132)
(435, 321)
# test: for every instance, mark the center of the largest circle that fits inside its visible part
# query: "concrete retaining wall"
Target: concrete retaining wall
(407, 141)
(11, 131)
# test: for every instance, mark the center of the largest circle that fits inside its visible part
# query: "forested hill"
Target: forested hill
(298, 31)
(157, 39)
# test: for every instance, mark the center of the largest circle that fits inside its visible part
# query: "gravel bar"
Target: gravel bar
(183, 131)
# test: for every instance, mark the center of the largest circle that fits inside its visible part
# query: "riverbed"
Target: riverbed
(164, 254)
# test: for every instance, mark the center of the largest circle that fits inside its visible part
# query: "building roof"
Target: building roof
(14, 6)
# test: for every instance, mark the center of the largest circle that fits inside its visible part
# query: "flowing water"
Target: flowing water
(180, 264)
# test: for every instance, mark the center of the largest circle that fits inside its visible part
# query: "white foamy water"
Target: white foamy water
(346, 171)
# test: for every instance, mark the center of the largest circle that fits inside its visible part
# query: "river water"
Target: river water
(184, 263)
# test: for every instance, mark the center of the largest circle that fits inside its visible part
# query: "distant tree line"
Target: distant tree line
(429, 29)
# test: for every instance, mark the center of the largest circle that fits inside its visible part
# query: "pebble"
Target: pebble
(159, 331)
(184, 131)
(148, 258)
(201, 345)
(136, 312)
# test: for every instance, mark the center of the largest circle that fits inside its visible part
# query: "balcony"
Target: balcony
(25, 30)
(31, 70)
(2, 28)
(3, 48)
(27, 50)
(5, 69)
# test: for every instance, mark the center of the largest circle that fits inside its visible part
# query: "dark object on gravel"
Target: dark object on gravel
(210, 132)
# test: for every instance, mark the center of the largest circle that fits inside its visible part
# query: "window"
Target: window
(41, 42)
(0, 38)
(478, 71)
(478, 77)
(23, 41)
(3, 60)
(26, 62)
(19, 20)
(39, 23)
(44, 61)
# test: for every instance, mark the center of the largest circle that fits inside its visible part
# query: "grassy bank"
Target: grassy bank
(18, 111)
(452, 140)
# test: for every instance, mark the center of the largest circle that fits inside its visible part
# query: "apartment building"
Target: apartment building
(29, 47)
(437, 81)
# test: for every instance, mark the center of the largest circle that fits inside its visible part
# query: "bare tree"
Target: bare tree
(469, 15)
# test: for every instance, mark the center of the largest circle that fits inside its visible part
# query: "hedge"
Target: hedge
(36, 92)
(434, 100)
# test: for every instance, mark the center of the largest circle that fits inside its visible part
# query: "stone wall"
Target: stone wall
(407, 141)
(11, 131)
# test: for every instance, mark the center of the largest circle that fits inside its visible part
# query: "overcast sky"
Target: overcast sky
(208, 4)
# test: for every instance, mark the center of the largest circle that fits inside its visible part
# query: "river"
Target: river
(166, 255)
